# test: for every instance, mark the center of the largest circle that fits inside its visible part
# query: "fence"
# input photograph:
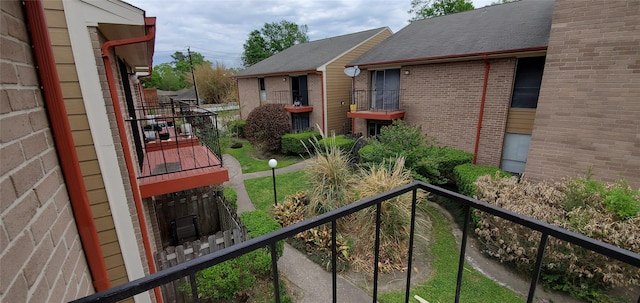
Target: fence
(173, 256)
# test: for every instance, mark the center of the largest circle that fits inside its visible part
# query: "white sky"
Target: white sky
(218, 28)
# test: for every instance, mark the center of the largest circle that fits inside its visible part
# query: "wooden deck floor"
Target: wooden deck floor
(377, 115)
(175, 169)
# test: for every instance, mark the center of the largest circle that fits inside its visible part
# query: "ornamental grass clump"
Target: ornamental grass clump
(395, 215)
(579, 205)
(330, 177)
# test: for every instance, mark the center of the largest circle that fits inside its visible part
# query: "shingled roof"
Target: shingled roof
(308, 56)
(506, 27)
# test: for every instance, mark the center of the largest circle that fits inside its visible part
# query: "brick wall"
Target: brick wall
(249, 95)
(41, 255)
(588, 112)
(444, 100)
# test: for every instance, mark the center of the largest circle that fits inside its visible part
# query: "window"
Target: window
(515, 152)
(263, 91)
(385, 89)
(374, 127)
(526, 87)
(300, 122)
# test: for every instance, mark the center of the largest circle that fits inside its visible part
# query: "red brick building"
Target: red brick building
(528, 86)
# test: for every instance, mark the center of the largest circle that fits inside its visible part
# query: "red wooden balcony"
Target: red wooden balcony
(178, 149)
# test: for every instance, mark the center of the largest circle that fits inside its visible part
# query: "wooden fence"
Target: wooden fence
(173, 256)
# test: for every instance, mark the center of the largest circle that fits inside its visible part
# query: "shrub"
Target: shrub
(237, 127)
(295, 143)
(449, 158)
(619, 198)
(266, 124)
(565, 267)
(232, 197)
(465, 176)
(259, 223)
(342, 142)
(396, 140)
(226, 279)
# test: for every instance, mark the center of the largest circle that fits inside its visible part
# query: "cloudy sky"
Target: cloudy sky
(218, 29)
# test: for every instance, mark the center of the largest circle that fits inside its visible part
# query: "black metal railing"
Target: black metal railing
(287, 97)
(377, 100)
(191, 267)
(173, 132)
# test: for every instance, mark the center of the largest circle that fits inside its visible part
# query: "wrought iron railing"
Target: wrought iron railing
(175, 133)
(287, 97)
(190, 268)
(378, 100)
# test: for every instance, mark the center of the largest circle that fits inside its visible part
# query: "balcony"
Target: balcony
(190, 268)
(177, 149)
(377, 105)
(294, 101)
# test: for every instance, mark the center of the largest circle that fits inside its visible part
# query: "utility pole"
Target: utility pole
(193, 76)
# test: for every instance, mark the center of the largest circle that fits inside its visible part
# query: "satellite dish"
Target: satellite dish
(352, 71)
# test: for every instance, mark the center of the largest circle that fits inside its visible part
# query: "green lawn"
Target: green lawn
(250, 163)
(261, 189)
(441, 286)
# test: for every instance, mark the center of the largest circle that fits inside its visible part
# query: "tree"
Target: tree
(422, 9)
(165, 77)
(214, 83)
(173, 76)
(272, 38)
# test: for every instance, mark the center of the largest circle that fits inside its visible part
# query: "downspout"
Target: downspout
(484, 97)
(65, 146)
(151, 32)
(324, 131)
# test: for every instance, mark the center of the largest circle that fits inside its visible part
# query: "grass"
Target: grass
(441, 286)
(261, 189)
(247, 155)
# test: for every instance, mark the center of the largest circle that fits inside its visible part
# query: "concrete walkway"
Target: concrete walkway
(313, 281)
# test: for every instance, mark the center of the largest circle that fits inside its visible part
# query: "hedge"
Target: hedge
(345, 144)
(465, 176)
(293, 143)
(259, 223)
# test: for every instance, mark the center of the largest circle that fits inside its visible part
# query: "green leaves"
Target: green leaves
(271, 39)
(422, 9)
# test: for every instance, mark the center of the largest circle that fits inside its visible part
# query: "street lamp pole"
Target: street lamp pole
(273, 163)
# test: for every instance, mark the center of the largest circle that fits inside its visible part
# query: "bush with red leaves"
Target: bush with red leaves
(266, 124)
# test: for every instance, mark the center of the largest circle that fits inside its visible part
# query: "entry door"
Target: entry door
(299, 90)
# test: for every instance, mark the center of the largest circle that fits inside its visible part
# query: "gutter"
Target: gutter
(65, 146)
(150, 23)
(470, 56)
(487, 66)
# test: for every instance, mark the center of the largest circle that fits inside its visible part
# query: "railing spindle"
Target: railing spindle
(194, 288)
(377, 253)
(274, 266)
(334, 257)
(463, 247)
(536, 271)
(414, 200)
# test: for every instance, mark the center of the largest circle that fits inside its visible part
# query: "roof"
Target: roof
(188, 93)
(309, 55)
(506, 27)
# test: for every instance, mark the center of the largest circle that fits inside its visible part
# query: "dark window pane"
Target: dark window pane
(526, 88)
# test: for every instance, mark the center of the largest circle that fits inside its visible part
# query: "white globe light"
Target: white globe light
(273, 163)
